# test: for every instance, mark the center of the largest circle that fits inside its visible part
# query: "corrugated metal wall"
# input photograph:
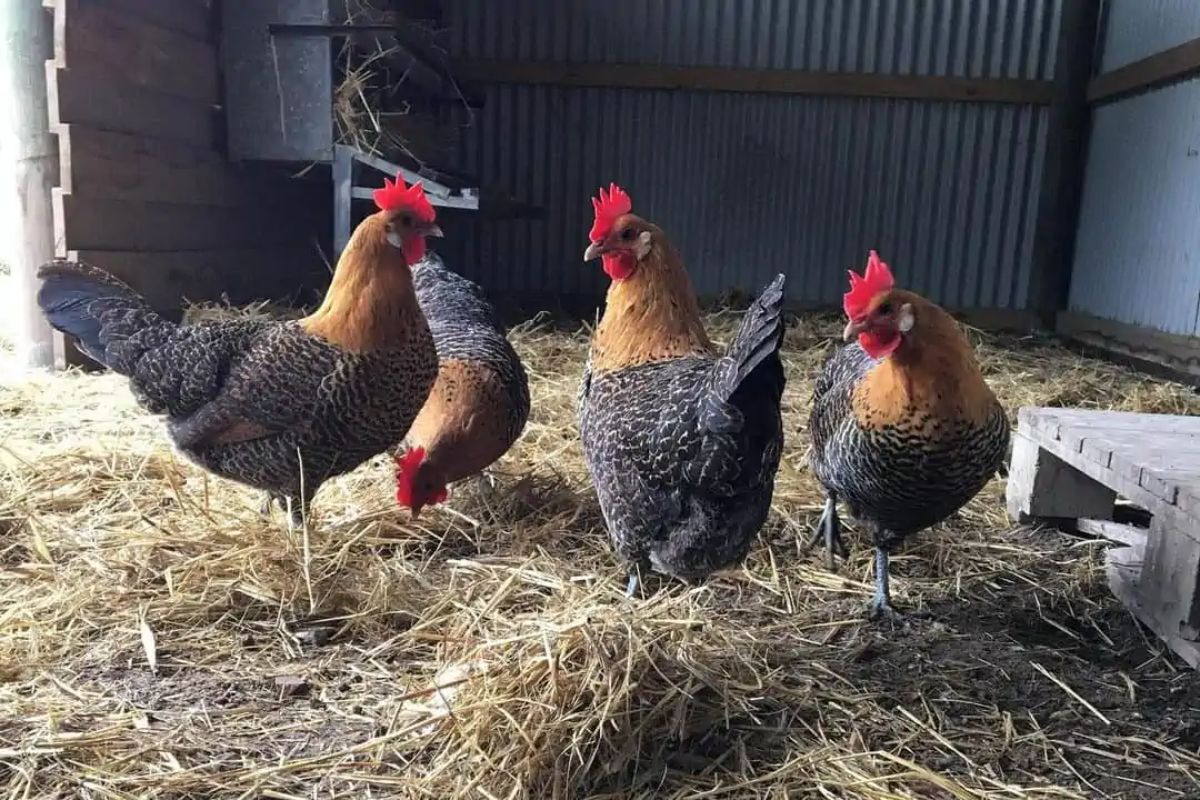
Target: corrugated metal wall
(1137, 29)
(1137, 253)
(751, 184)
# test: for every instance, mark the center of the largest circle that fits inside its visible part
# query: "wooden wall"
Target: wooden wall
(146, 190)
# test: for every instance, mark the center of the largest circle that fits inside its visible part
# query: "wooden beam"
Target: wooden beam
(192, 18)
(85, 224)
(1061, 182)
(119, 166)
(769, 81)
(89, 35)
(97, 99)
(1172, 354)
(25, 32)
(1170, 65)
(1112, 531)
(168, 280)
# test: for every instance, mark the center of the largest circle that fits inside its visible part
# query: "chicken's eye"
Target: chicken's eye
(628, 234)
(884, 308)
(406, 220)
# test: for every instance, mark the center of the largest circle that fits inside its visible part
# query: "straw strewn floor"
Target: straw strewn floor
(158, 638)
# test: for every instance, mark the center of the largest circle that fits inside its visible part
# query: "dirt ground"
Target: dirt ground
(158, 638)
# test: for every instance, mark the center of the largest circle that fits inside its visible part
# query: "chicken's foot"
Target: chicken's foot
(880, 607)
(829, 530)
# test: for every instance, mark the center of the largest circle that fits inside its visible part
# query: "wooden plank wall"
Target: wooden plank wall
(146, 191)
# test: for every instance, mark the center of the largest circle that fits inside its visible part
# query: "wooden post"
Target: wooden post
(32, 153)
(1066, 157)
(1043, 486)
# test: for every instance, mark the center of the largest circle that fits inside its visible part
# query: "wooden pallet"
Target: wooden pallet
(1069, 464)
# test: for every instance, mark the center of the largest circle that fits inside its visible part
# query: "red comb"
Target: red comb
(863, 288)
(396, 195)
(608, 206)
(406, 469)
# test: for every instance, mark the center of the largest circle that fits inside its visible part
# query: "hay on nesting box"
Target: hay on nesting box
(161, 639)
(370, 111)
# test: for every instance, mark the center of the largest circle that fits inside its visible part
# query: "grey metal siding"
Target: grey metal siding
(1137, 29)
(748, 185)
(1138, 247)
(981, 38)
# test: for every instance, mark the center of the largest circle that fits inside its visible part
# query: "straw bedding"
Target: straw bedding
(158, 638)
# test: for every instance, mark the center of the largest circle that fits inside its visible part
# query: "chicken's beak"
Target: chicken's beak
(853, 329)
(594, 251)
(432, 230)
(416, 510)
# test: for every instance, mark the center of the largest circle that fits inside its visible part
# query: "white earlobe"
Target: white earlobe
(644, 245)
(907, 318)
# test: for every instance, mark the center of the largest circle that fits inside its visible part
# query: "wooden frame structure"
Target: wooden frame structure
(1071, 464)
(145, 188)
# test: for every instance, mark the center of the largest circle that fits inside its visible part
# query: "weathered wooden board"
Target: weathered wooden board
(98, 99)
(88, 35)
(1125, 570)
(132, 225)
(168, 280)
(1065, 433)
(192, 17)
(108, 165)
(1152, 459)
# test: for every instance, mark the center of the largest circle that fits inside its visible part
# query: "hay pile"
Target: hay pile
(160, 639)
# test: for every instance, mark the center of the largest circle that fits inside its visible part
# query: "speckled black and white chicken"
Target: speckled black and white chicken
(682, 442)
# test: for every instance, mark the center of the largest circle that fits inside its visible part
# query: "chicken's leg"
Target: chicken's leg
(296, 510)
(829, 529)
(881, 603)
(635, 581)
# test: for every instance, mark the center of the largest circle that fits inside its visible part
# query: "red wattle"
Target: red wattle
(413, 249)
(879, 347)
(618, 266)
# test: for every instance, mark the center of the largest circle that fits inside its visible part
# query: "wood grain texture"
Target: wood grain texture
(152, 226)
(169, 280)
(96, 98)
(95, 35)
(110, 165)
(191, 17)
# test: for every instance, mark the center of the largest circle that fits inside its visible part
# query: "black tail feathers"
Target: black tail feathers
(761, 332)
(92, 306)
(754, 351)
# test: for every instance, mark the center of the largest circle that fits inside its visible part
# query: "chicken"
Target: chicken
(480, 401)
(904, 428)
(682, 443)
(278, 405)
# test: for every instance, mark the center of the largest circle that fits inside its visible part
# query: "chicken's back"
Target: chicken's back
(480, 402)
(683, 498)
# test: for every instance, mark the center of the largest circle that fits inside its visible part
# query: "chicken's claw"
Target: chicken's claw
(880, 609)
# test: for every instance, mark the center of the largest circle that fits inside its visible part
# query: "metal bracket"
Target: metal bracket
(345, 192)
